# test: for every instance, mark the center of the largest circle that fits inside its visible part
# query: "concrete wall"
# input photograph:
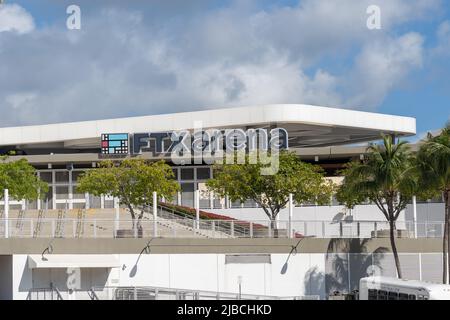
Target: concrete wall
(312, 213)
(430, 212)
(207, 272)
(306, 273)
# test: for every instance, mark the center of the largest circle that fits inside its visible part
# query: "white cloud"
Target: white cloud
(443, 37)
(19, 100)
(381, 66)
(14, 18)
(122, 64)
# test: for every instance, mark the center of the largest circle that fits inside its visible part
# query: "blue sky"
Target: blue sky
(151, 57)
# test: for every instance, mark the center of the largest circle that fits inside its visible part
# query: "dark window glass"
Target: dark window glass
(76, 175)
(393, 296)
(372, 294)
(187, 173)
(402, 296)
(203, 173)
(382, 295)
(46, 176)
(62, 176)
(412, 297)
(175, 173)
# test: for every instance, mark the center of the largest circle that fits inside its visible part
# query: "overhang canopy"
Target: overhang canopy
(73, 261)
(308, 126)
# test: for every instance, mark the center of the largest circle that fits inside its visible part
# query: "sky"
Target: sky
(138, 57)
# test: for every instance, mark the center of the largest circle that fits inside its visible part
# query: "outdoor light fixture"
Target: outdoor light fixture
(48, 250)
(147, 250)
(292, 252)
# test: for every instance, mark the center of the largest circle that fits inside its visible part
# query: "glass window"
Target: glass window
(382, 295)
(393, 296)
(48, 200)
(62, 192)
(402, 296)
(46, 176)
(187, 194)
(203, 174)
(62, 176)
(372, 294)
(76, 175)
(412, 297)
(175, 173)
(187, 173)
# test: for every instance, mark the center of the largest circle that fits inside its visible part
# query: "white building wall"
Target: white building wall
(22, 277)
(207, 272)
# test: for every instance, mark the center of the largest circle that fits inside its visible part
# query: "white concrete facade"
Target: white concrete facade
(87, 133)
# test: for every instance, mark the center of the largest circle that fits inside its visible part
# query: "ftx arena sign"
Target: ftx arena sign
(208, 145)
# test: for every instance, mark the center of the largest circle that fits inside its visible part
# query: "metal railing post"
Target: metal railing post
(155, 214)
(323, 229)
(53, 228)
(6, 212)
(358, 229)
(251, 229)
(375, 230)
(341, 231)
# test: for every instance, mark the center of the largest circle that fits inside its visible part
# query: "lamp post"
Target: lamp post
(147, 250)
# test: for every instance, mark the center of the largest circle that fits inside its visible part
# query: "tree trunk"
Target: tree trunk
(394, 248)
(273, 227)
(446, 239)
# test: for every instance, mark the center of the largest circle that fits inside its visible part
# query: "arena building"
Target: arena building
(63, 151)
(66, 246)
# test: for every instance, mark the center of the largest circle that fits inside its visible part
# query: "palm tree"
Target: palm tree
(350, 256)
(433, 162)
(386, 177)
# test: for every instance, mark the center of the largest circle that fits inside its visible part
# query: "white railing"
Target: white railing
(158, 293)
(171, 227)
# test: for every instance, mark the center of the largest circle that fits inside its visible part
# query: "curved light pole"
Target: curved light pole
(147, 250)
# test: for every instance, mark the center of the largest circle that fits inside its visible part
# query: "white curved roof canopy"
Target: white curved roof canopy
(308, 126)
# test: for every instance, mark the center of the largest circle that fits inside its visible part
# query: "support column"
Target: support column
(179, 198)
(117, 213)
(6, 213)
(211, 200)
(53, 190)
(86, 199)
(291, 213)
(197, 208)
(155, 214)
(414, 203)
(70, 190)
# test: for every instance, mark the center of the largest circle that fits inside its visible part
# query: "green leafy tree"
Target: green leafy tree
(387, 178)
(132, 181)
(433, 163)
(241, 182)
(21, 180)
